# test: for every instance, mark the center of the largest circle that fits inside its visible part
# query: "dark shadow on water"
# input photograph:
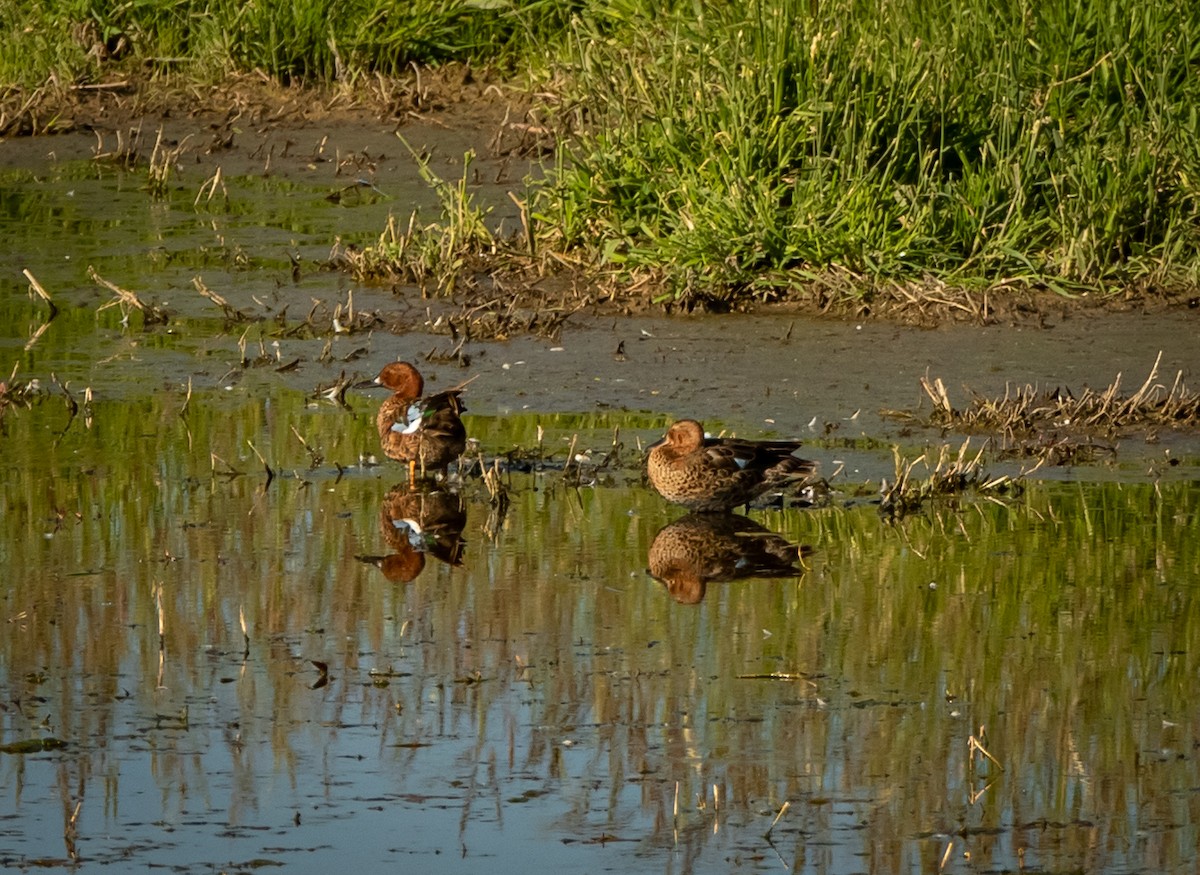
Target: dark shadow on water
(418, 521)
(701, 547)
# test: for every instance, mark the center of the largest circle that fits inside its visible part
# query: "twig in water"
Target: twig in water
(36, 287)
(72, 405)
(187, 400)
(946, 856)
(211, 186)
(126, 300)
(231, 313)
(782, 811)
(270, 473)
(974, 744)
(314, 457)
(158, 609)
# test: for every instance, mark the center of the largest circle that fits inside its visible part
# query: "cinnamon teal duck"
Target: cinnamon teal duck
(424, 431)
(719, 474)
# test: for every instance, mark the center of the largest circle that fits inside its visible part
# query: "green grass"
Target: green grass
(315, 41)
(771, 146)
(755, 146)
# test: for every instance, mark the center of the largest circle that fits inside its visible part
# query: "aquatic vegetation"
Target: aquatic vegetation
(17, 392)
(948, 476)
(1025, 412)
(434, 254)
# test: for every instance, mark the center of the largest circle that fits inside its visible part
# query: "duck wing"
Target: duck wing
(434, 414)
(731, 454)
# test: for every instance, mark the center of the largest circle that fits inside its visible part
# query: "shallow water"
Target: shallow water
(168, 605)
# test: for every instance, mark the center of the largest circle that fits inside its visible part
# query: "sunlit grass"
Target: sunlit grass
(843, 151)
(753, 147)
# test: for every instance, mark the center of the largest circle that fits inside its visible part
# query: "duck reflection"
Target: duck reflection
(417, 523)
(700, 547)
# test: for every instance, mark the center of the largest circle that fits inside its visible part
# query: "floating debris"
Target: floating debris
(128, 301)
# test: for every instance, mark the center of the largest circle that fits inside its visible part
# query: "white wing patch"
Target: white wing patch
(413, 420)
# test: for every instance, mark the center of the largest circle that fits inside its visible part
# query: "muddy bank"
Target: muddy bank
(782, 368)
(347, 138)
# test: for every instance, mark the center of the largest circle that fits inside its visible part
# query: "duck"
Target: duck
(424, 431)
(715, 475)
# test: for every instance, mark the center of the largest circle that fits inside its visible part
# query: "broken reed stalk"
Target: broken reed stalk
(571, 457)
(497, 490)
(782, 811)
(127, 300)
(1024, 410)
(210, 185)
(72, 404)
(974, 744)
(270, 473)
(946, 857)
(231, 312)
(948, 476)
(314, 457)
(40, 291)
(158, 610)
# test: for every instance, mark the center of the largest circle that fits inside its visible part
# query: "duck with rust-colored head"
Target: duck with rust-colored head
(719, 474)
(425, 432)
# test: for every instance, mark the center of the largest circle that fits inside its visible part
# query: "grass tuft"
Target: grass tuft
(1027, 411)
(715, 153)
(431, 255)
(948, 476)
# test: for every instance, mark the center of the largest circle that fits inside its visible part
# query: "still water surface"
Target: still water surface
(548, 694)
(249, 672)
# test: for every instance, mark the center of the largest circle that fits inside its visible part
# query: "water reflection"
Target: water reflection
(417, 522)
(701, 547)
(542, 696)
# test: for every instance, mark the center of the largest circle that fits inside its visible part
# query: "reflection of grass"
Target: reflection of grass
(1067, 621)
